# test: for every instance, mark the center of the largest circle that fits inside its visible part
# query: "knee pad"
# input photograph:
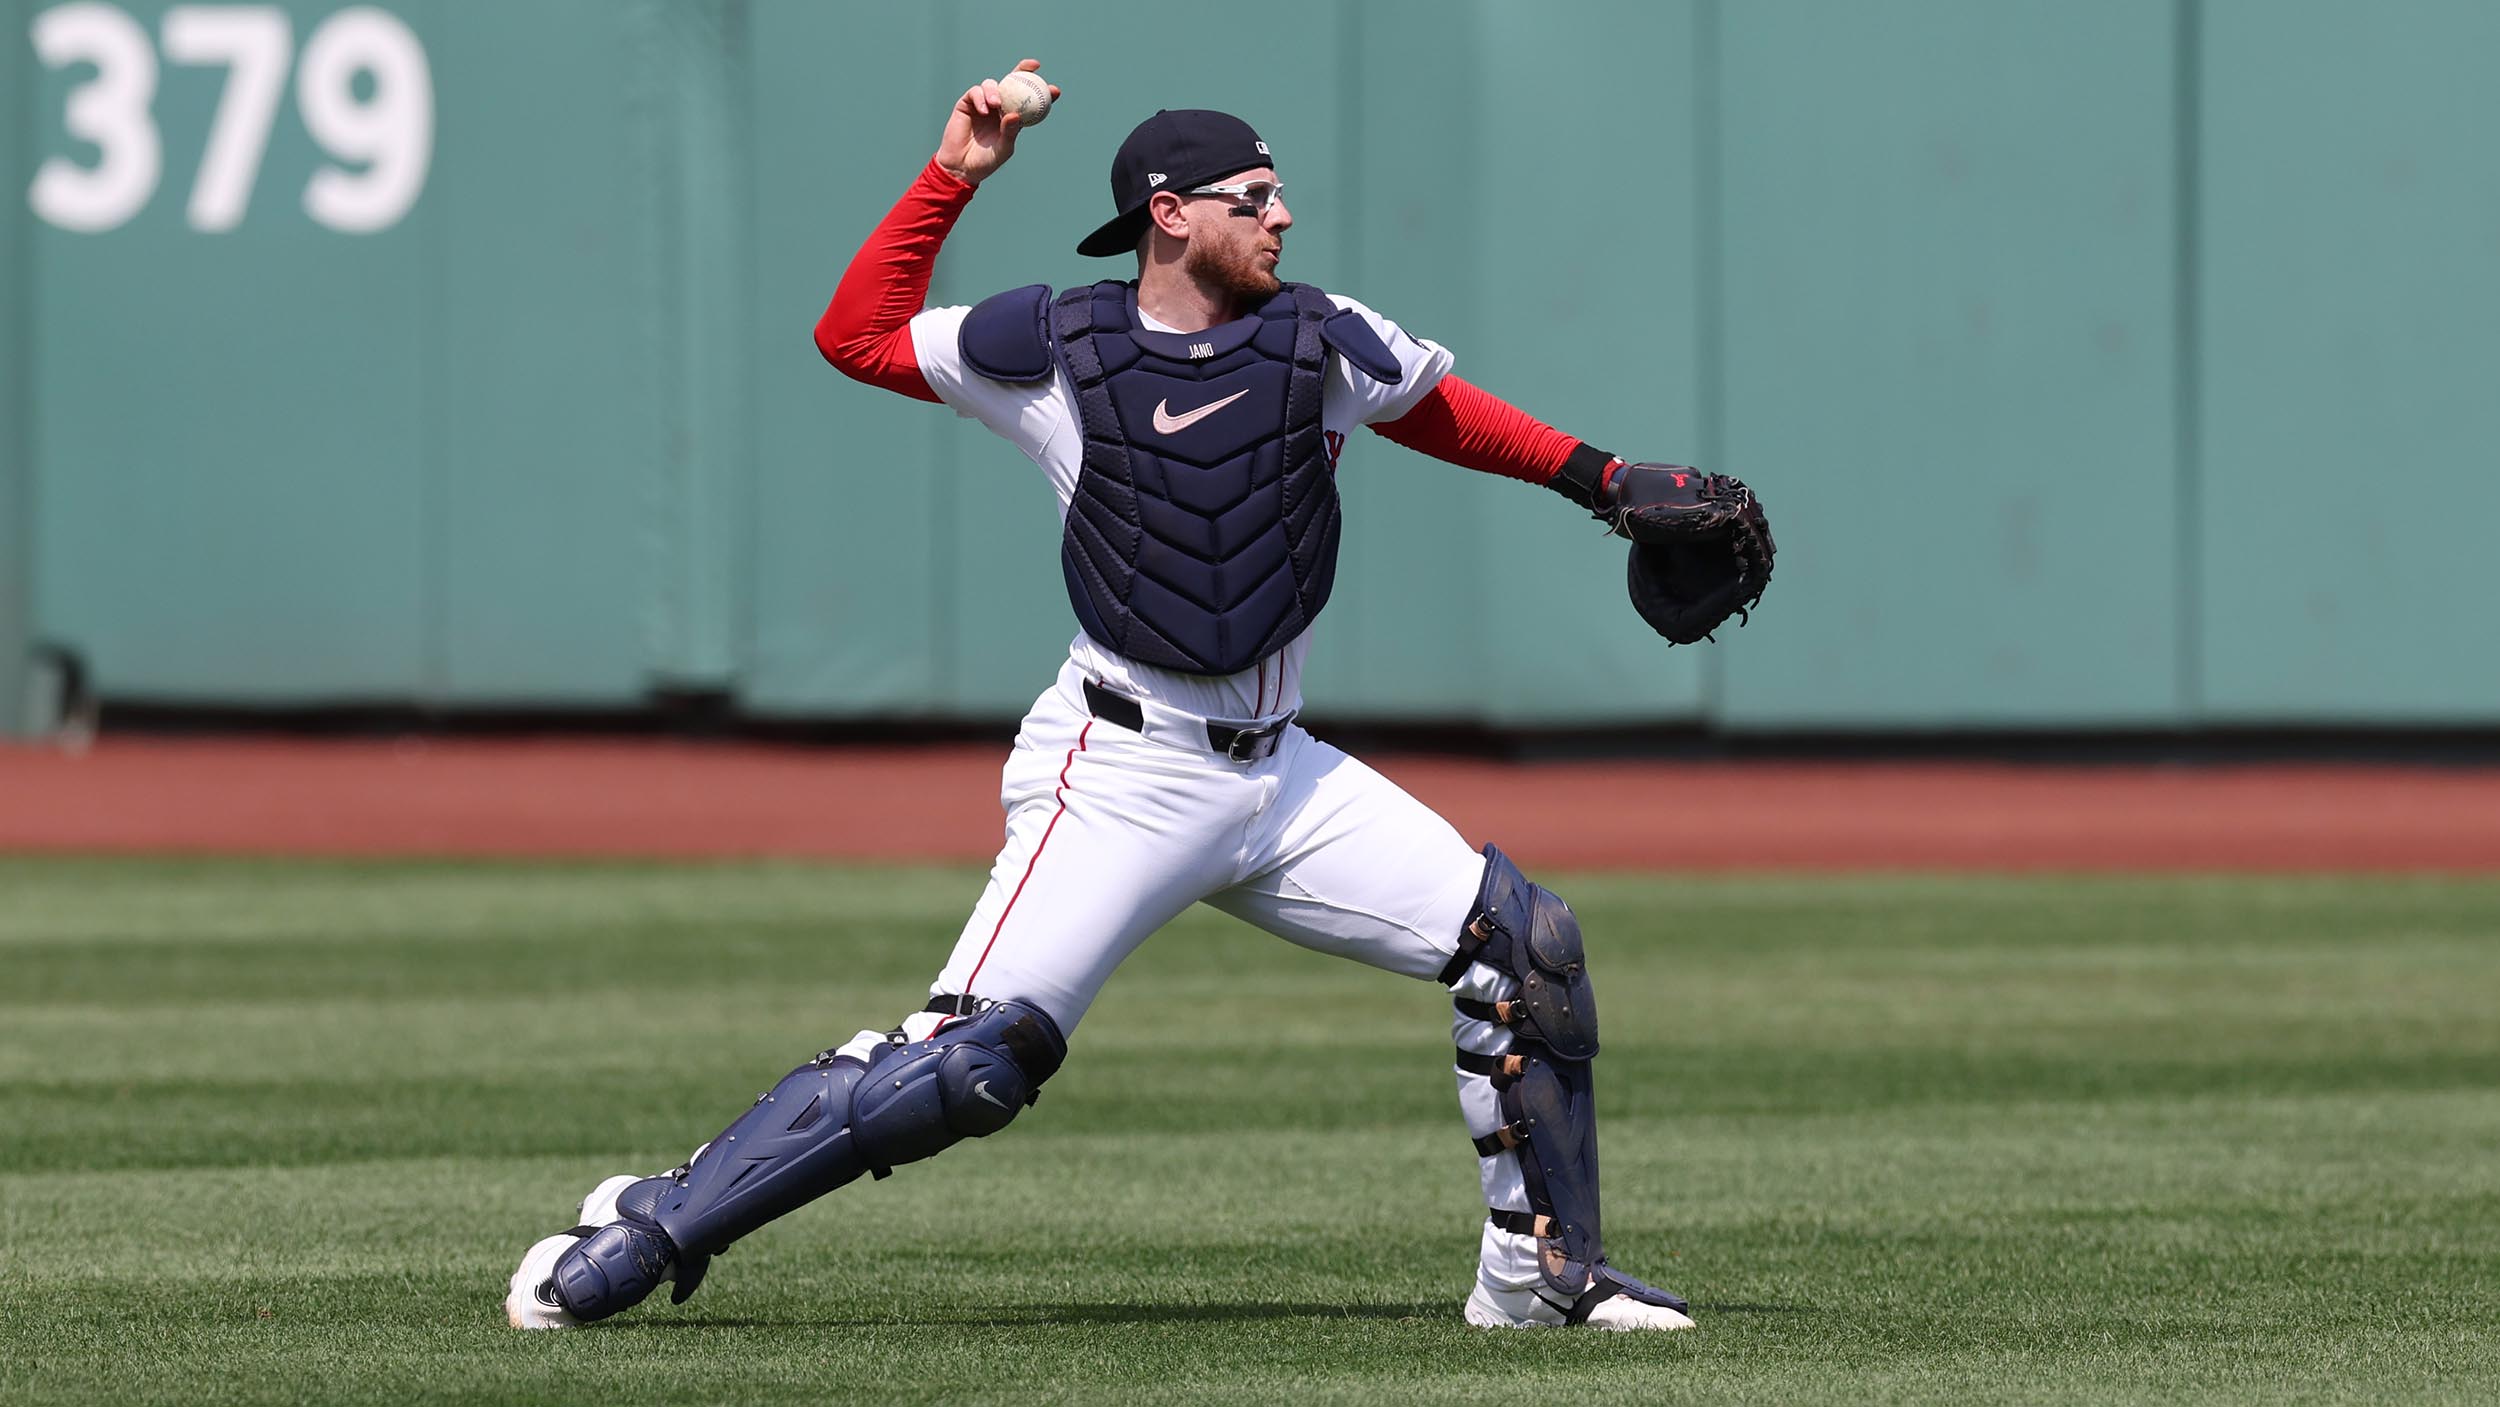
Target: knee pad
(1526, 932)
(968, 1082)
(839, 1116)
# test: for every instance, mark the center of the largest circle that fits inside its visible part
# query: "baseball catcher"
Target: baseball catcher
(1190, 421)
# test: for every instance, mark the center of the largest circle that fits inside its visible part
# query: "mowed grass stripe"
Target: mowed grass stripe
(1902, 1139)
(190, 1122)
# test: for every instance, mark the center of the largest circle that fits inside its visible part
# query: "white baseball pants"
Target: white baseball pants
(1111, 834)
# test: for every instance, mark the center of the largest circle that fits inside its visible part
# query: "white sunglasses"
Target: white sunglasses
(1254, 195)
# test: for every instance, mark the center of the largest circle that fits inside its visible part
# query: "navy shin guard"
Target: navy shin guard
(827, 1122)
(1542, 1081)
(838, 1116)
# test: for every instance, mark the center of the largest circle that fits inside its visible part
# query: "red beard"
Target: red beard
(1236, 269)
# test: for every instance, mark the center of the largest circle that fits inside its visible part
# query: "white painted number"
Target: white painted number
(392, 131)
(110, 110)
(252, 41)
(384, 142)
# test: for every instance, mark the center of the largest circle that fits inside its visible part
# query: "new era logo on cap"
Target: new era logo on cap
(1154, 178)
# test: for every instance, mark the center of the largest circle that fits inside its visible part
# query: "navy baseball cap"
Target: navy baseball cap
(1171, 151)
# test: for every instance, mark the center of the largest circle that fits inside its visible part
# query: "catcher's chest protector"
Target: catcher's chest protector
(1203, 532)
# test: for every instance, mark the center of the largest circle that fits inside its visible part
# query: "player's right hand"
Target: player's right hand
(981, 132)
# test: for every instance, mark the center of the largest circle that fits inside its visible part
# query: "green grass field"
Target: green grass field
(279, 1131)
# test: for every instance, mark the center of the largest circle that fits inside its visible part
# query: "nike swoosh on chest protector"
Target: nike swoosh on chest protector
(1166, 423)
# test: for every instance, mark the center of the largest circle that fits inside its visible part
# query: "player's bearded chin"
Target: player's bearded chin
(1233, 267)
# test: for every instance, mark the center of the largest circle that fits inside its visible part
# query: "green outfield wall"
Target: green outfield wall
(2125, 364)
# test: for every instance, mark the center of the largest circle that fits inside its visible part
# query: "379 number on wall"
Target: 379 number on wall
(382, 138)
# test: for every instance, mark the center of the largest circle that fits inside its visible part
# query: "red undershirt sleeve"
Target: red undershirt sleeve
(866, 329)
(1475, 429)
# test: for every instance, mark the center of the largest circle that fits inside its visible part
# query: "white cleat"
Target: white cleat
(1489, 1308)
(1622, 1312)
(530, 1301)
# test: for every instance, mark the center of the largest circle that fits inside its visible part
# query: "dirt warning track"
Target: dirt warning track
(585, 797)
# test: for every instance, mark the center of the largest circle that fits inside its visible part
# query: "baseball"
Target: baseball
(1027, 95)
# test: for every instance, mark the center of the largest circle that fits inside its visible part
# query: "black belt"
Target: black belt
(1239, 744)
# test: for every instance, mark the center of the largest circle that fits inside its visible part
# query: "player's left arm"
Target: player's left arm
(1470, 427)
(1701, 545)
(1475, 429)
(1432, 411)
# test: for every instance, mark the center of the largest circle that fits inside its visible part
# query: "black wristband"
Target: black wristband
(1582, 475)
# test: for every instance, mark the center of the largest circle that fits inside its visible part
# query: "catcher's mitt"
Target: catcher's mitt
(1701, 548)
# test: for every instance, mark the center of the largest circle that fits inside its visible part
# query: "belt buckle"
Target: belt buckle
(1246, 743)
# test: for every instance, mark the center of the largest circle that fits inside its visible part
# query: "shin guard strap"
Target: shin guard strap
(1520, 1223)
(1497, 1068)
(1499, 1013)
(1504, 1139)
